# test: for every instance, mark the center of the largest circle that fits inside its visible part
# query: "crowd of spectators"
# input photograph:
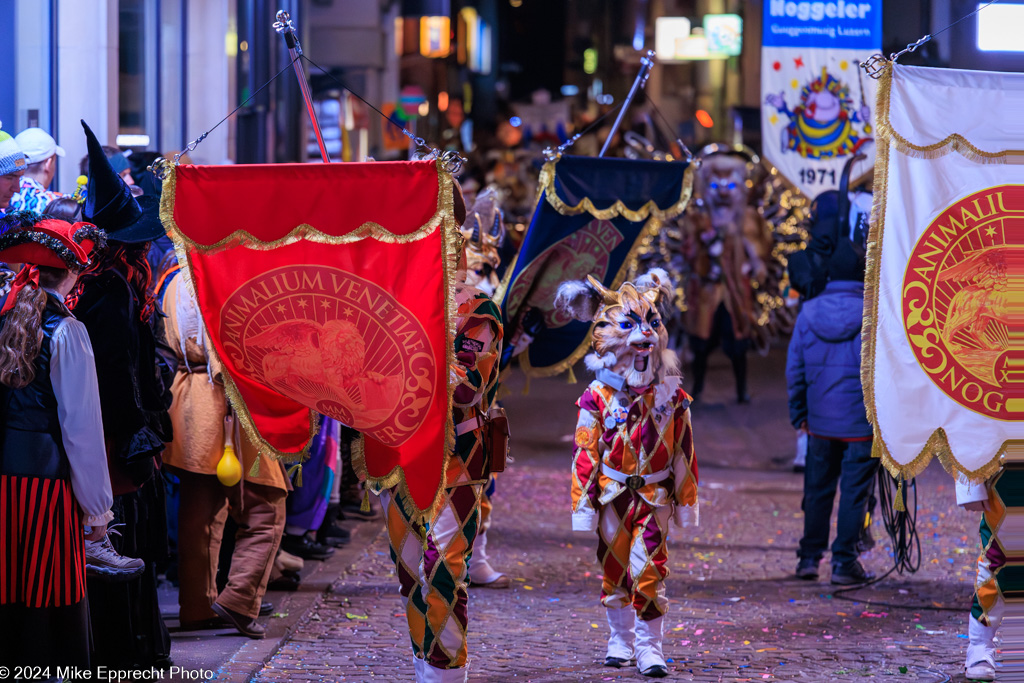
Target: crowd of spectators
(113, 418)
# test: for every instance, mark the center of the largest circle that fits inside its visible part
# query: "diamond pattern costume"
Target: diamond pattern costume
(634, 466)
(636, 434)
(432, 560)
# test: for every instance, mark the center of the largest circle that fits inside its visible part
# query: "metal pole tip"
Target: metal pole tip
(283, 16)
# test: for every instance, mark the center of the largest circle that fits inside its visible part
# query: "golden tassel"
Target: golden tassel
(365, 505)
(296, 469)
(254, 471)
(899, 506)
(423, 536)
(526, 387)
(572, 376)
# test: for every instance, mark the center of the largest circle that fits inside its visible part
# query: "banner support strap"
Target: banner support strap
(641, 80)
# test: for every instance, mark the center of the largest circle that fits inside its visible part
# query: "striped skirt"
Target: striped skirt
(42, 549)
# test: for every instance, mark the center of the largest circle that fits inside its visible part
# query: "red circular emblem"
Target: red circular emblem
(336, 343)
(963, 302)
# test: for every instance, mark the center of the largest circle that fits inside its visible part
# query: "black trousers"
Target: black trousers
(722, 334)
(127, 628)
(45, 636)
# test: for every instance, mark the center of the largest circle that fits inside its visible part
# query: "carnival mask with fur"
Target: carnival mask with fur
(483, 232)
(629, 335)
(724, 185)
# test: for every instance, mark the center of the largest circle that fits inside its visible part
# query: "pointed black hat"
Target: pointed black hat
(109, 202)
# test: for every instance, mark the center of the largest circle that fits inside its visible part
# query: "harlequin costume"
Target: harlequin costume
(634, 466)
(988, 604)
(53, 468)
(484, 232)
(431, 559)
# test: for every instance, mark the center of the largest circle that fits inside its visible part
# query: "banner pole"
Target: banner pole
(284, 26)
(641, 80)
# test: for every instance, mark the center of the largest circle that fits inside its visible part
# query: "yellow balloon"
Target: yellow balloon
(229, 470)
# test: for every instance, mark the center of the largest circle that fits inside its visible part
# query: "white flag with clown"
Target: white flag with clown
(817, 104)
(943, 355)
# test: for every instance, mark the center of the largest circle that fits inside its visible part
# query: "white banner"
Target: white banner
(943, 361)
(817, 103)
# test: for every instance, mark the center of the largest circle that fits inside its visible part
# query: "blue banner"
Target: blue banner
(589, 219)
(836, 25)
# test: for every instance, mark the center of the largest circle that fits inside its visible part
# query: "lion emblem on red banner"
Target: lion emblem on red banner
(336, 343)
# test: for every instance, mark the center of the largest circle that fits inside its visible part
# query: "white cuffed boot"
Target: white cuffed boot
(981, 651)
(620, 642)
(481, 573)
(649, 658)
(428, 674)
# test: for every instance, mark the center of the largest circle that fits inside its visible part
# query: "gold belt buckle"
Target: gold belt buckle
(635, 482)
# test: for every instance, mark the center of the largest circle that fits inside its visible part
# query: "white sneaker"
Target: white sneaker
(980, 671)
(104, 563)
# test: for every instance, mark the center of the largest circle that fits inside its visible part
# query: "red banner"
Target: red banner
(326, 289)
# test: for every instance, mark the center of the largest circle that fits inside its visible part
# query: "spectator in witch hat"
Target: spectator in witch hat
(13, 163)
(117, 307)
(42, 152)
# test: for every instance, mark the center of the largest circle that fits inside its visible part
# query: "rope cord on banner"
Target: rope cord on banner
(452, 159)
(195, 143)
(874, 65)
(687, 154)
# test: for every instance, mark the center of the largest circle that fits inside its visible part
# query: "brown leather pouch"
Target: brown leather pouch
(496, 433)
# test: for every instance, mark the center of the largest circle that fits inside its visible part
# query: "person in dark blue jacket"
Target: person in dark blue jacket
(826, 399)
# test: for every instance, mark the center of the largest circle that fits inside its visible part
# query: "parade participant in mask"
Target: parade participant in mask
(634, 466)
(728, 246)
(436, 600)
(116, 305)
(484, 231)
(53, 468)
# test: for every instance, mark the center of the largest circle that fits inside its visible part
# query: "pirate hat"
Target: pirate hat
(109, 202)
(51, 242)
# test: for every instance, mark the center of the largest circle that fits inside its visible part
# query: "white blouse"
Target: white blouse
(73, 374)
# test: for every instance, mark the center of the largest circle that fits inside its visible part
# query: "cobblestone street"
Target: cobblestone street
(736, 612)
